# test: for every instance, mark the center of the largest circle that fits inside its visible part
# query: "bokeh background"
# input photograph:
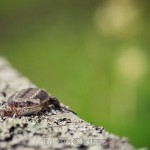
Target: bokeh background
(93, 55)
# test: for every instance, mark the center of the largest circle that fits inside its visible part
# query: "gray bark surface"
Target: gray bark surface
(53, 129)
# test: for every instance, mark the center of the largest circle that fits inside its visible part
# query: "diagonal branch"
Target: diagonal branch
(52, 129)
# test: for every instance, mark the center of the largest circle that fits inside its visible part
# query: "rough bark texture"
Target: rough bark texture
(52, 129)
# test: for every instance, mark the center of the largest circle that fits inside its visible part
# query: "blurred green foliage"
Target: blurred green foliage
(93, 55)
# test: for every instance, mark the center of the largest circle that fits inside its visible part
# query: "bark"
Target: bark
(52, 129)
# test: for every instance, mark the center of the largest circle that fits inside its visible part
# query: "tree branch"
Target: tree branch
(53, 129)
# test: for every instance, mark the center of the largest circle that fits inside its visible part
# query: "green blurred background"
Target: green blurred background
(93, 55)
